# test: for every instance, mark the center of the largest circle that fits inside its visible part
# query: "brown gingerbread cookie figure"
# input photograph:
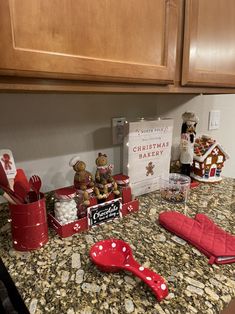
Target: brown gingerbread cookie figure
(83, 180)
(104, 171)
(149, 169)
(103, 178)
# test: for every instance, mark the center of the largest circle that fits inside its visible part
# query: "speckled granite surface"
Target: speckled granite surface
(59, 278)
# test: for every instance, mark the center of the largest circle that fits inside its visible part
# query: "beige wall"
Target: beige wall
(45, 130)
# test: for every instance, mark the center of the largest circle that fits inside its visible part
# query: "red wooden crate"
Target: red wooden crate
(81, 224)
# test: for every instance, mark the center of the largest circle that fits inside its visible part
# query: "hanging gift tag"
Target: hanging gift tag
(8, 163)
(103, 212)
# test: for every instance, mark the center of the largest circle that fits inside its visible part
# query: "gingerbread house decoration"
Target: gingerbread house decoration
(208, 160)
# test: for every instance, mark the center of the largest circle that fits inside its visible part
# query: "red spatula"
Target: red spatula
(21, 190)
(21, 177)
(113, 255)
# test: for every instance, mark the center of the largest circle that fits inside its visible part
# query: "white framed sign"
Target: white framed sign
(147, 153)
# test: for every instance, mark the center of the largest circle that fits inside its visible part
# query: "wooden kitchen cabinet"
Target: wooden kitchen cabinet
(151, 46)
(95, 40)
(209, 43)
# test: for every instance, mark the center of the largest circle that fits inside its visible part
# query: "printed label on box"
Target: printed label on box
(103, 212)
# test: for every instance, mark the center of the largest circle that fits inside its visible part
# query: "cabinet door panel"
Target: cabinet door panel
(117, 40)
(209, 43)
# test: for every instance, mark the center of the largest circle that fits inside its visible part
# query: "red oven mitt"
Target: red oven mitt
(202, 233)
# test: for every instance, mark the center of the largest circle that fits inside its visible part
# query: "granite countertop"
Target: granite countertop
(59, 278)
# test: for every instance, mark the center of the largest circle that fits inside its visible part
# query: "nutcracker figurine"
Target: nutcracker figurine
(188, 134)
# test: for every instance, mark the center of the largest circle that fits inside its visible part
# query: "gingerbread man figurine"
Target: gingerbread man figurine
(7, 161)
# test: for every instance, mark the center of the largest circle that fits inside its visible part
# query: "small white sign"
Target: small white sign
(104, 212)
(8, 163)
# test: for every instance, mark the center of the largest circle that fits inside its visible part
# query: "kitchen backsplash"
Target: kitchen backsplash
(45, 130)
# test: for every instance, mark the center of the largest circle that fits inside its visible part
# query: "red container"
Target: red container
(81, 224)
(29, 225)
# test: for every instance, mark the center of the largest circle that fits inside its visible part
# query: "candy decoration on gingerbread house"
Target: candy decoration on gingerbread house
(208, 160)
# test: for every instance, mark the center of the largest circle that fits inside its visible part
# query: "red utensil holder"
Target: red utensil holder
(29, 225)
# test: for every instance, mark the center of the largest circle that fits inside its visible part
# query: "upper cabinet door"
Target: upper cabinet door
(106, 40)
(209, 43)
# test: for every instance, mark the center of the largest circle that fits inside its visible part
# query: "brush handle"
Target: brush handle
(7, 197)
(11, 183)
(16, 198)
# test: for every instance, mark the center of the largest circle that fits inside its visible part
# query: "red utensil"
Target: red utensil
(21, 190)
(21, 177)
(33, 196)
(3, 177)
(112, 255)
(35, 184)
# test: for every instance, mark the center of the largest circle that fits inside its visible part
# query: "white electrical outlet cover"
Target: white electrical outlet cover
(118, 130)
(214, 120)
